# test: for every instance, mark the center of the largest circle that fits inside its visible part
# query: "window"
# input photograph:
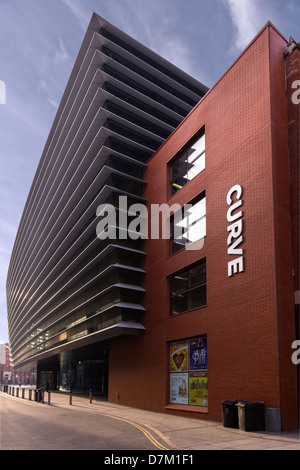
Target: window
(188, 289)
(188, 372)
(188, 225)
(188, 164)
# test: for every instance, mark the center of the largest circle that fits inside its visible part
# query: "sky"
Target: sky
(40, 40)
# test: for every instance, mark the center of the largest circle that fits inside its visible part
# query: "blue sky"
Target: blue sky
(40, 40)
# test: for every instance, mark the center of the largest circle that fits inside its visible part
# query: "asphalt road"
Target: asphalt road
(117, 430)
(26, 425)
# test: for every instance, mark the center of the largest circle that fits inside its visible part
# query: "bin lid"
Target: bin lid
(229, 402)
(250, 404)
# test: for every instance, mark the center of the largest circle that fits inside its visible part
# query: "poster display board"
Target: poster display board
(198, 388)
(179, 388)
(198, 354)
(179, 356)
(188, 372)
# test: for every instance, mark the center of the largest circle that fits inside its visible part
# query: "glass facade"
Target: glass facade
(188, 289)
(118, 107)
(188, 164)
(188, 225)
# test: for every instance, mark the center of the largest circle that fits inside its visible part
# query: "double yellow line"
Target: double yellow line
(142, 429)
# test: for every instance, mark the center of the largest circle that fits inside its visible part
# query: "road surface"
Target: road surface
(27, 425)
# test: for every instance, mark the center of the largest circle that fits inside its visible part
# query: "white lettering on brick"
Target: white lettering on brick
(235, 229)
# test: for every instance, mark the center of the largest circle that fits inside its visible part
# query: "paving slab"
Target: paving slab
(187, 433)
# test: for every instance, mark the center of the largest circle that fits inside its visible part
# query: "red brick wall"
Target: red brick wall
(247, 317)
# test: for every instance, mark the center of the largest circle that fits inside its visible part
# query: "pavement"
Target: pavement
(170, 432)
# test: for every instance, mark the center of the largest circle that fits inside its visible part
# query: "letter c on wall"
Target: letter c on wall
(235, 189)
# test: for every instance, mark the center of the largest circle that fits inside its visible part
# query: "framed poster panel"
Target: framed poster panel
(198, 388)
(179, 388)
(179, 356)
(198, 353)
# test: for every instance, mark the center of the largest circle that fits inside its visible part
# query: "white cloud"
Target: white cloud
(61, 54)
(248, 18)
(82, 15)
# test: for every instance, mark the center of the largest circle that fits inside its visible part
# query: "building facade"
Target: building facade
(68, 289)
(10, 376)
(211, 282)
(222, 295)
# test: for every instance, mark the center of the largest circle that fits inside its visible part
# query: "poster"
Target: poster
(198, 388)
(179, 388)
(179, 356)
(198, 354)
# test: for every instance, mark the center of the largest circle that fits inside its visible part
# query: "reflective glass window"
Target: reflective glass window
(188, 289)
(188, 225)
(188, 164)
